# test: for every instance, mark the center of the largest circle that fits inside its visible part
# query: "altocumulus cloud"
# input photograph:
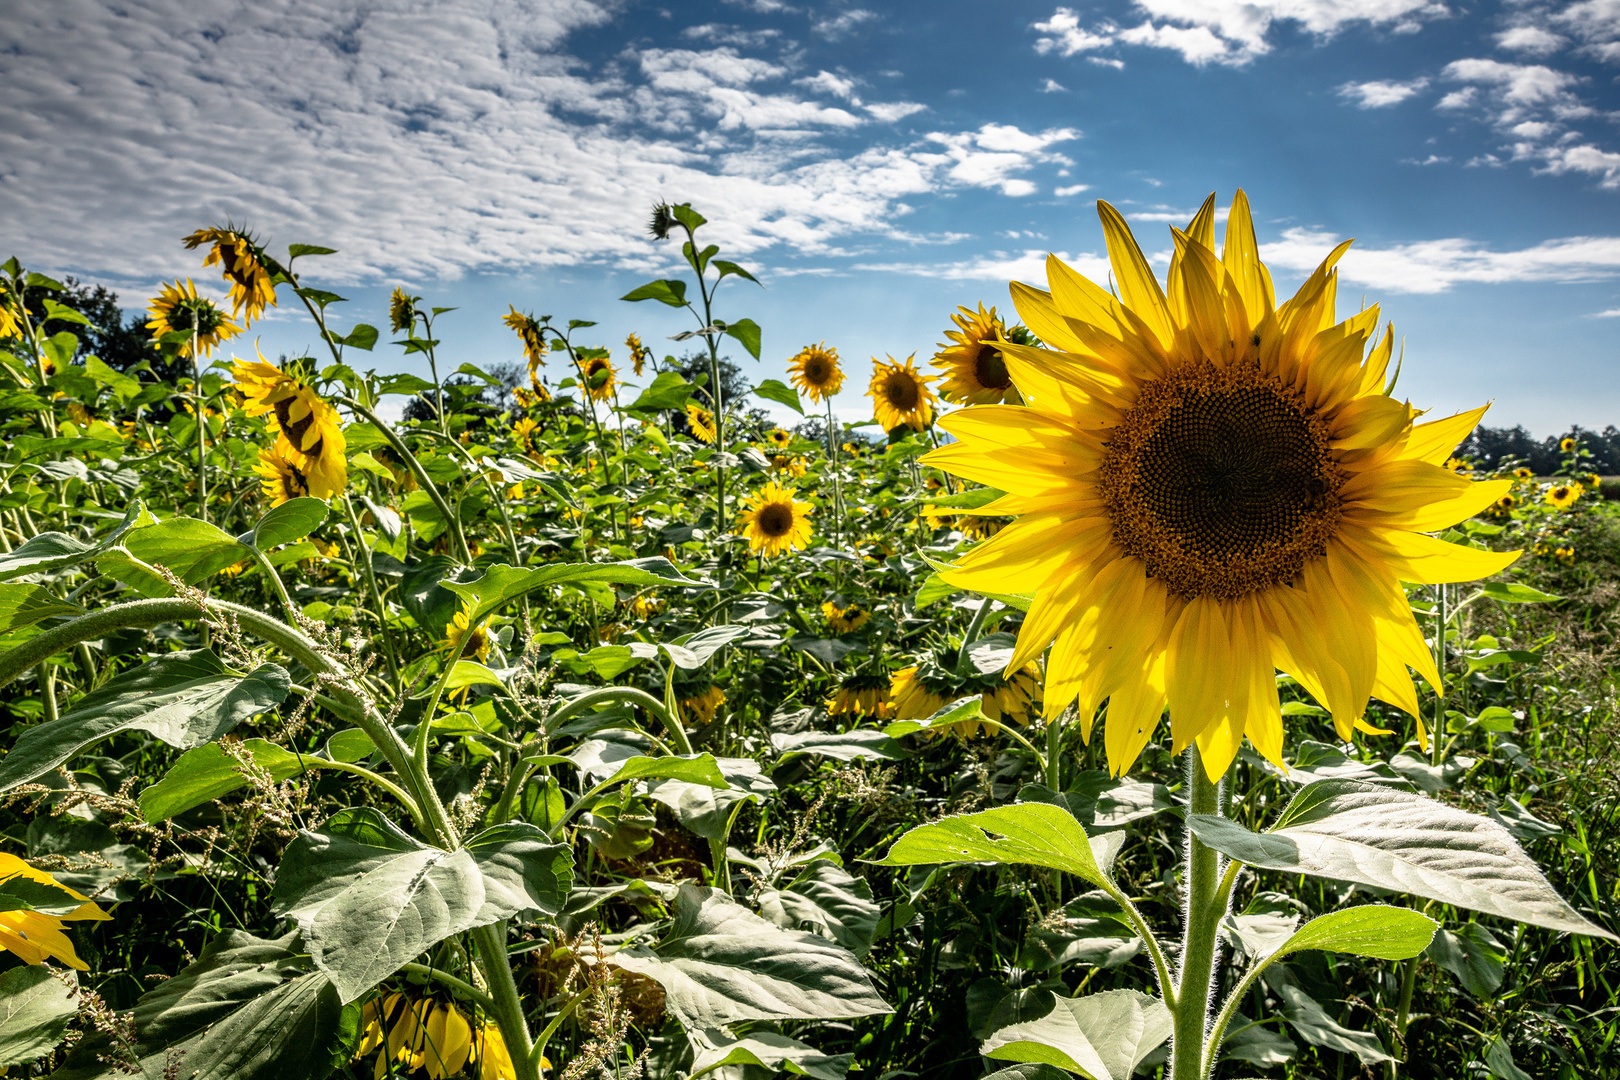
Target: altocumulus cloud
(442, 139)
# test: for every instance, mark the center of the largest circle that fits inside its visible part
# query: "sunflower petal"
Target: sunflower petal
(1138, 288)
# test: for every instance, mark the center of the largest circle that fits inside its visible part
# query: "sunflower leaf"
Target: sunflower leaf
(1031, 834)
(778, 391)
(1101, 1036)
(665, 290)
(35, 1008)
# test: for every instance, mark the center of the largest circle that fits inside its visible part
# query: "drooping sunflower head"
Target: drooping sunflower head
(779, 438)
(901, 394)
(815, 371)
(639, 353)
(416, 1034)
(534, 344)
(844, 620)
(244, 264)
(700, 422)
(1563, 496)
(974, 371)
(774, 521)
(466, 640)
(179, 308)
(523, 431)
(282, 481)
(703, 703)
(663, 220)
(8, 319)
(401, 310)
(597, 375)
(861, 695)
(1210, 486)
(34, 935)
(311, 432)
(1593, 482)
(524, 397)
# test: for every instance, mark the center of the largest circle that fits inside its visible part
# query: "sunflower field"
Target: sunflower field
(1146, 689)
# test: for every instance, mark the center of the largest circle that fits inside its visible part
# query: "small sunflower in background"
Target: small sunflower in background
(639, 353)
(466, 641)
(1523, 473)
(523, 432)
(815, 372)
(844, 620)
(178, 308)
(1594, 482)
(700, 422)
(901, 394)
(534, 342)
(1456, 465)
(791, 464)
(401, 310)
(974, 371)
(1504, 507)
(281, 481)
(35, 935)
(861, 695)
(430, 1035)
(779, 438)
(775, 522)
(310, 429)
(701, 702)
(243, 264)
(916, 693)
(1568, 444)
(1564, 554)
(645, 606)
(1562, 496)
(597, 375)
(524, 397)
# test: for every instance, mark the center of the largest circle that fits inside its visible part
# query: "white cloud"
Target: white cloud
(1533, 40)
(1052, 86)
(1612, 313)
(1519, 84)
(1534, 105)
(1227, 31)
(1381, 94)
(1072, 189)
(1434, 266)
(1002, 266)
(889, 112)
(1597, 24)
(838, 25)
(828, 83)
(1107, 61)
(455, 137)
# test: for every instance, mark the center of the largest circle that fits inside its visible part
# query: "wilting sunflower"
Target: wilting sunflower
(524, 397)
(34, 935)
(703, 703)
(466, 641)
(815, 371)
(639, 353)
(179, 307)
(311, 431)
(861, 695)
(916, 693)
(844, 620)
(779, 438)
(243, 263)
(597, 375)
(401, 310)
(700, 422)
(282, 481)
(901, 394)
(1594, 481)
(534, 342)
(975, 373)
(1212, 487)
(1563, 496)
(774, 521)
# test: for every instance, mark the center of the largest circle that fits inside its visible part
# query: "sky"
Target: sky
(874, 166)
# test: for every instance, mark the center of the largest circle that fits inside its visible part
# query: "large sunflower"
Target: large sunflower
(282, 482)
(974, 371)
(775, 521)
(34, 935)
(900, 394)
(180, 308)
(311, 431)
(816, 372)
(1212, 486)
(242, 262)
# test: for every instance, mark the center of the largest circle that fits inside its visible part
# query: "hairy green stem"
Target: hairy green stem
(507, 1009)
(370, 574)
(1201, 925)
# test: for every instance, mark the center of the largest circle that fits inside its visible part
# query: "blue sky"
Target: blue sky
(875, 166)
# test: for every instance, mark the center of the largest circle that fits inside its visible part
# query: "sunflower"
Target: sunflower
(975, 373)
(844, 620)
(1567, 444)
(1564, 554)
(916, 693)
(311, 431)
(1523, 473)
(816, 372)
(644, 607)
(1212, 487)
(34, 935)
(901, 394)
(639, 353)
(430, 1035)
(282, 481)
(597, 375)
(524, 397)
(1456, 465)
(534, 342)
(1562, 496)
(910, 698)
(699, 422)
(1594, 481)
(243, 264)
(861, 695)
(779, 438)
(702, 704)
(466, 640)
(1503, 507)
(401, 310)
(775, 522)
(8, 321)
(523, 431)
(179, 308)
(791, 464)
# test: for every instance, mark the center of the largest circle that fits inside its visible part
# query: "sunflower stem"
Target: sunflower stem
(423, 480)
(1201, 923)
(1435, 754)
(972, 634)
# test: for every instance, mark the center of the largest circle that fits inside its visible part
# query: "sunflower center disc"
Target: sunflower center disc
(1222, 482)
(775, 519)
(901, 393)
(990, 369)
(295, 429)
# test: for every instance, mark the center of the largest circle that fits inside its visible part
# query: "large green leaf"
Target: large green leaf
(185, 699)
(369, 898)
(853, 745)
(767, 1050)
(1033, 834)
(247, 1009)
(698, 769)
(778, 391)
(35, 1007)
(54, 550)
(1407, 843)
(720, 963)
(1100, 1036)
(291, 521)
(668, 391)
(25, 605)
(705, 808)
(828, 900)
(1312, 1023)
(194, 549)
(208, 772)
(1376, 930)
(502, 584)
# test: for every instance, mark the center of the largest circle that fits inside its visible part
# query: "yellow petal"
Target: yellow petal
(1134, 711)
(1241, 257)
(1138, 288)
(1433, 442)
(1426, 560)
